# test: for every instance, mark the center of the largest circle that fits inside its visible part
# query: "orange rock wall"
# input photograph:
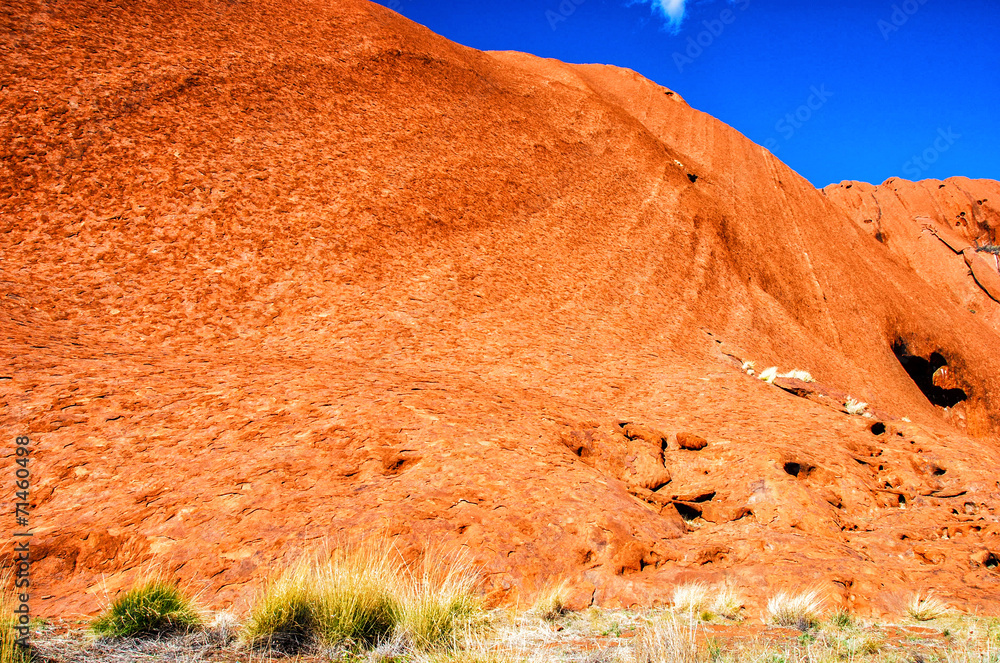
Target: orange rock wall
(284, 273)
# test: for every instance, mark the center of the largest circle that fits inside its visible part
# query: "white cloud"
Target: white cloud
(672, 9)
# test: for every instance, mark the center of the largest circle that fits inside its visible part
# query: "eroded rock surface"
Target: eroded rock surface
(920, 221)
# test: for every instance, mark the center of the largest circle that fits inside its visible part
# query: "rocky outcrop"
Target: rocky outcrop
(963, 215)
(986, 274)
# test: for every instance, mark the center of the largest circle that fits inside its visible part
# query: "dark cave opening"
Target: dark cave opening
(922, 371)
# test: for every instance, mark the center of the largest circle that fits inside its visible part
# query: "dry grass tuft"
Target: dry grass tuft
(927, 608)
(705, 602)
(727, 603)
(866, 643)
(289, 613)
(799, 611)
(691, 598)
(796, 374)
(550, 602)
(349, 598)
(769, 374)
(667, 641)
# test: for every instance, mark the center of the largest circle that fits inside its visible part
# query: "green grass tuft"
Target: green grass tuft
(154, 607)
(440, 603)
(347, 599)
(362, 597)
(289, 613)
(842, 619)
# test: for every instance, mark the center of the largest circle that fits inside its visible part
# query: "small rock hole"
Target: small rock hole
(797, 469)
(687, 511)
(922, 371)
(939, 471)
(693, 178)
(878, 428)
(992, 561)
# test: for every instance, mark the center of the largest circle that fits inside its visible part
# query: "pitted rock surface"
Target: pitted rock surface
(920, 221)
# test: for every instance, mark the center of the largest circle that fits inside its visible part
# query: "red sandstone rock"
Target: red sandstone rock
(691, 442)
(952, 240)
(925, 223)
(281, 274)
(985, 274)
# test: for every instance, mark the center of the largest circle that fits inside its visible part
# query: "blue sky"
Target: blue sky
(860, 90)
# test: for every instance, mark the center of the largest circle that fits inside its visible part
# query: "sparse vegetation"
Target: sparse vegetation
(799, 611)
(440, 603)
(926, 608)
(691, 598)
(842, 619)
(153, 607)
(796, 374)
(863, 643)
(364, 603)
(667, 641)
(855, 407)
(769, 375)
(289, 614)
(550, 603)
(363, 597)
(727, 603)
(349, 598)
(594, 636)
(706, 602)
(989, 248)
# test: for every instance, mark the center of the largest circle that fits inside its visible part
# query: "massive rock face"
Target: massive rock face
(945, 232)
(925, 224)
(283, 274)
